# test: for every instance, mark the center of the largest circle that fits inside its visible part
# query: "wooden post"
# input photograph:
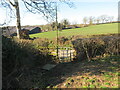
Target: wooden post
(57, 30)
(70, 55)
(63, 54)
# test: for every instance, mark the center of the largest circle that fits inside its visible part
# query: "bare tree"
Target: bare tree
(107, 20)
(111, 19)
(91, 20)
(104, 18)
(85, 20)
(47, 8)
(98, 20)
(53, 25)
(5, 6)
(65, 23)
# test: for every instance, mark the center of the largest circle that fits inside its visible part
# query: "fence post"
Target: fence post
(67, 52)
(70, 54)
(63, 53)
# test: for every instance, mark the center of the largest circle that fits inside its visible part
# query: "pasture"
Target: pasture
(111, 28)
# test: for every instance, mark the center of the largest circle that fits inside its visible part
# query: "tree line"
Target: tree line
(66, 24)
(97, 20)
(54, 25)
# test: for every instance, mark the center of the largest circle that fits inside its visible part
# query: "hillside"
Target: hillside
(91, 30)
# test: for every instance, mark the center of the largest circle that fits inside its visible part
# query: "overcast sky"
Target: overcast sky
(83, 8)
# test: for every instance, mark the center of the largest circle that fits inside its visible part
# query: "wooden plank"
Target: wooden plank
(48, 66)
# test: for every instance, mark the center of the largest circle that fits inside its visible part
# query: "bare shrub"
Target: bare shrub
(62, 40)
(88, 48)
(19, 56)
(112, 45)
(92, 47)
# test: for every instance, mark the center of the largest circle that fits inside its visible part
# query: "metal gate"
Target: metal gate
(65, 54)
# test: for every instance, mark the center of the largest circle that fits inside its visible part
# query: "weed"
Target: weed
(71, 80)
(113, 67)
(91, 80)
(92, 86)
(84, 87)
(86, 78)
(110, 76)
(107, 83)
(118, 73)
(67, 85)
(115, 87)
(103, 87)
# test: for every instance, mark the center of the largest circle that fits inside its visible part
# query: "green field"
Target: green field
(91, 30)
